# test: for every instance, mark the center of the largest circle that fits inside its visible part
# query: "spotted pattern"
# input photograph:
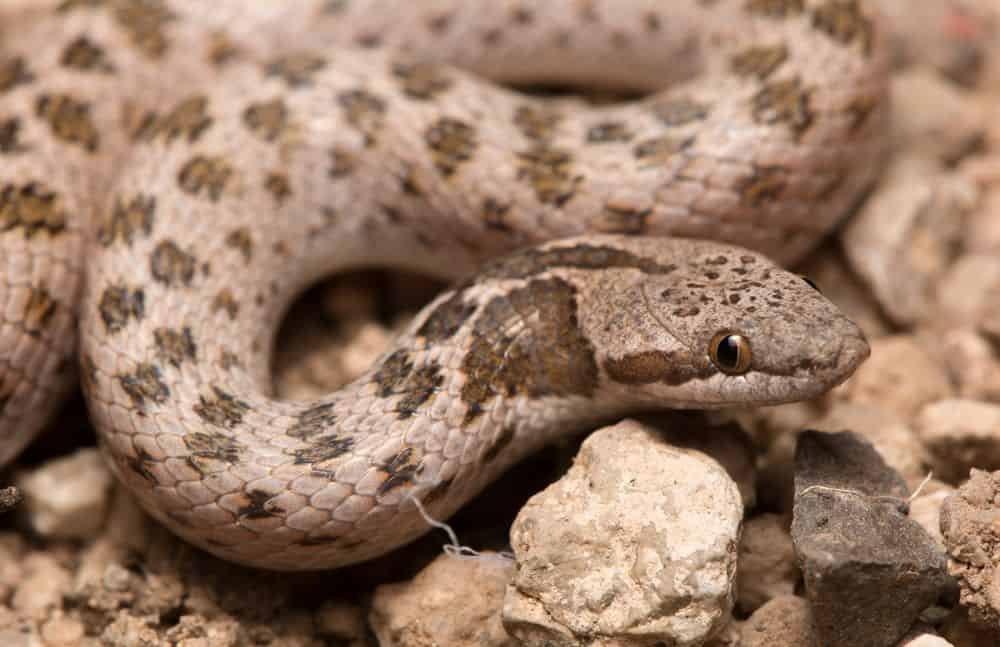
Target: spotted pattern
(199, 162)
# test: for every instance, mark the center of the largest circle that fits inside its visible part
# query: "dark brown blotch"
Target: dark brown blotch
(189, 119)
(786, 102)
(775, 8)
(10, 131)
(127, 220)
(549, 171)
(845, 22)
(550, 356)
(533, 261)
(653, 366)
(69, 120)
(144, 385)
(266, 119)
(14, 72)
(296, 69)
(342, 162)
(678, 111)
(170, 265)
(145, 22)
(258, 506)
(221, 409)
(213, 445)
(205, 176)
(422, 81)
(32, 208)
(658, 151)
(622, 218)
(445, 320)
(759, 62)
(38, 311)
(225, 301)
(175, 346)
(278, 185)
(241, 240)
(141, 465)
(400, 470)
(607, 132)
(119, 304)
(451, 142)
(86, 55)
(536, 122)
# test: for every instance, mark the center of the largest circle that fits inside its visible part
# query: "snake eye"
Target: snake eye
(811, 283)
(730, 352)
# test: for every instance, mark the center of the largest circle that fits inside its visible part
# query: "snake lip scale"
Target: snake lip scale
(174, 172)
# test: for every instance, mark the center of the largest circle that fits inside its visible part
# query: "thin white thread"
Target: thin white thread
(905, 502)
(455, 549)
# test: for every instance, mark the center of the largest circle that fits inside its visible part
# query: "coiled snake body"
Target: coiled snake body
(201, 162)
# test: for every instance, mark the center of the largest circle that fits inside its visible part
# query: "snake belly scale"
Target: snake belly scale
(174, 172)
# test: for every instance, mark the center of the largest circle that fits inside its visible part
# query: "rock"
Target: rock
(344, 622)
(62, 631)
(722, 439)
(67, 498)
(970, 523)
(635, 544)
(901, 376)
(972, 362)
(961, 434)
(42, 589)
(906, 235)
(935, 118)
(869, 570)
(783, 621)
(453, 601)
(925, 640)
(968, 289)
(766, 563)
(895, 441)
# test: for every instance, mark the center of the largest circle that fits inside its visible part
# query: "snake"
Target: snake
(613, 188)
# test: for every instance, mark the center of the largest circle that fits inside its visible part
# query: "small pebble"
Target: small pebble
(67, 498)
(961, 434)
(453, 601)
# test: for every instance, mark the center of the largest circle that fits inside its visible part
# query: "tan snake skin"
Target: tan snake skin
(202, 162)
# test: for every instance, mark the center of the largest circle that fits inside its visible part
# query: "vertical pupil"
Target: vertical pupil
(729, 351)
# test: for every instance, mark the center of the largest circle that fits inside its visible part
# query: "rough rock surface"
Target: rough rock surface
(782, 622)
(636, 544)
(454, 601)
(767, 566)
(970, 523)
(66, 498)
(869, 569)
(961, 434)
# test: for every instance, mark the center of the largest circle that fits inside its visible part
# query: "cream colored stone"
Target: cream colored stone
(453, 601)
(67, 498)
(635, 544)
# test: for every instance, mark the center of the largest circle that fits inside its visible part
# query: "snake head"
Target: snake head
(705, 325)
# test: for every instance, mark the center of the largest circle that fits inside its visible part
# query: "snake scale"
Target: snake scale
(174, 172)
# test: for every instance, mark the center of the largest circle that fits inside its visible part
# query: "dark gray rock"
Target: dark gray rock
(869, 569)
